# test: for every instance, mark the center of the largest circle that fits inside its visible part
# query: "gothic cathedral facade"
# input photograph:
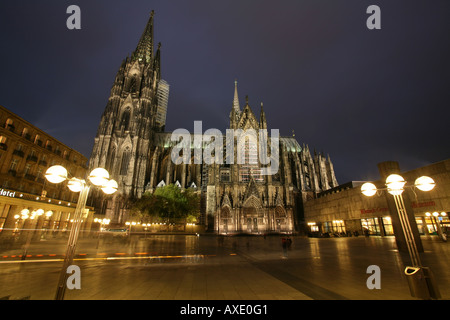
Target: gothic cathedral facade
(131, 143)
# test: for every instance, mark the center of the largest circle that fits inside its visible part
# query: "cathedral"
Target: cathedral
(132, 144)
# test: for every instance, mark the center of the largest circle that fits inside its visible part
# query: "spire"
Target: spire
(144, 49)
(157, 61)
(262, 119)
(236, 106)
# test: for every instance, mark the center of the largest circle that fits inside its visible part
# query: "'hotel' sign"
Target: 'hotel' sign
(7, 193)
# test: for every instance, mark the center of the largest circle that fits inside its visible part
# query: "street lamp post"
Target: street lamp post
(421, 282)
(98, 177)
(395, 185)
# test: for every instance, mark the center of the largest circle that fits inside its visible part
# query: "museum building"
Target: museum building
(344, 210)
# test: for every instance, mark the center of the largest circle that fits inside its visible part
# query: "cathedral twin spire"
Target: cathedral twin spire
(144, 49)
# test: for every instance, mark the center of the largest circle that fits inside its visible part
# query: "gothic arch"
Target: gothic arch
(134, 70)
(125, 161)
(253, 201)
(280, 212)
(125, 119)
(111, 159)
(225, 213)
(253, 208)
(127, 110)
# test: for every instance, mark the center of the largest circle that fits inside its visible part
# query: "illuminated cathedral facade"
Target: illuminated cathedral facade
(132, 144)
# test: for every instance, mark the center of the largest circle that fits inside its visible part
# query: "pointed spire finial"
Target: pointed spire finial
(236, 106)
(144, 49)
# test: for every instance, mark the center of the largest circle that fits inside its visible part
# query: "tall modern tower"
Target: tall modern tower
(128, 122)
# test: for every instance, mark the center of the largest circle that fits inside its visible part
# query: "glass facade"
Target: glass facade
(335, 226)
(371, 225)
(387, 225)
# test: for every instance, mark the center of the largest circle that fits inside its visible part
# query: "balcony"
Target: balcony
(32, 158)
(30, 177)
(19, 153)
(12, 172)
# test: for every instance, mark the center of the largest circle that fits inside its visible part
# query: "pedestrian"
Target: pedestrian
(234, 245)
(288, 243)
(220, 240)
(366, 232)
(284, 245)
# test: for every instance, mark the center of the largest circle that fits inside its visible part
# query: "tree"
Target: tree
(169, 204)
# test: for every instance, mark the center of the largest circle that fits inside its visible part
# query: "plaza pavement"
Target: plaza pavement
(239, 268)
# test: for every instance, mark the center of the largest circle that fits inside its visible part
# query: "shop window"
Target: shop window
(371, 226)
(3, 214)
(387, 225)
(420, 225)
(313, 226)
(430, 226)
(327, 227)
(338, 226)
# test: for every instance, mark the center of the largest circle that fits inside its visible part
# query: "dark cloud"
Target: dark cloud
(362, 96)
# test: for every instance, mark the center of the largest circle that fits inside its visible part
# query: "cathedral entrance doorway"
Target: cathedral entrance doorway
(252, 225)
(225, 219)
(278, 225)
(252, 217)
(280, 219)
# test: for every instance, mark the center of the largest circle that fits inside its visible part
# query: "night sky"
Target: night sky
(362, 96)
